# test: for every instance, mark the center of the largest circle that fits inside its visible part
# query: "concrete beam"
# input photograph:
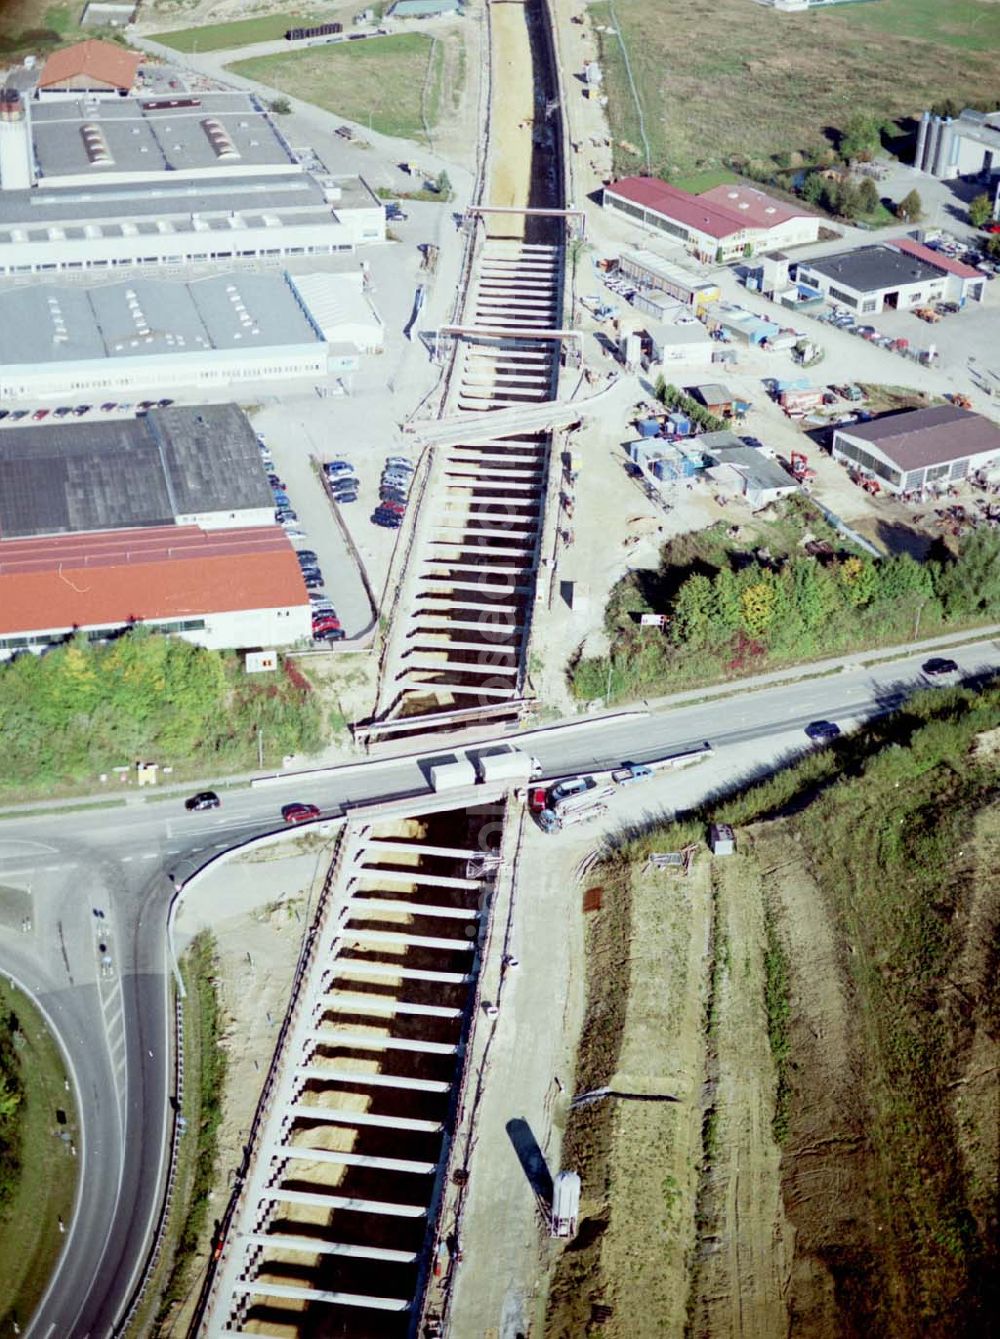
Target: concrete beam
(411, 661)
(348, 967)
(366, 1078)
(310, 1246)
(386, 1005)
(297, 1153)
(310, 1295)
(386, 845)
(382, 906)
(378, 1041)
(333, 1116)
(403, 937)
(458, 689)
(424, 880)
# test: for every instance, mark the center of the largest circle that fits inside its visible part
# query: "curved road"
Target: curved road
(117, 860)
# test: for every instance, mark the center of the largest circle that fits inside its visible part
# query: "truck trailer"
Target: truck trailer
(452, 775)
(510, 764)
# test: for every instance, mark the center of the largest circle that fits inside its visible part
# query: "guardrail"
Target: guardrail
(302, 967)
(153, 1259)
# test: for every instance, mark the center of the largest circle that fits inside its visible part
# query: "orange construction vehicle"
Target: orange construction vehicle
(801, 469)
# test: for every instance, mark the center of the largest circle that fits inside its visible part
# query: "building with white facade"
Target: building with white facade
(897, 276)
(144, 337)
(166, 520)
(158, 181)
(721, 224)
(919, 448)
(966, 146)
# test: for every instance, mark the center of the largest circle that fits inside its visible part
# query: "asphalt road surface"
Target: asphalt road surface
(113, 1021)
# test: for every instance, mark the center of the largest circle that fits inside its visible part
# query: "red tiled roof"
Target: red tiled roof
(93, 59)
(935, 258)
(756, 208)
(680, 206)
(163, 572)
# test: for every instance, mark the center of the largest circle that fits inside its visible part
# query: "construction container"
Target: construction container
(666, 469)
(680, 424)
(649, 427)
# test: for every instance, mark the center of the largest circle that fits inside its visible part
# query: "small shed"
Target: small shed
(721, 839)
(565, 1204)
(718, 400)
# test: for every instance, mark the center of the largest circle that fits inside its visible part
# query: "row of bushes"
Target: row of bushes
(11, 1092)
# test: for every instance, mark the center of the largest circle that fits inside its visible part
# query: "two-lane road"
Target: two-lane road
(120, 858)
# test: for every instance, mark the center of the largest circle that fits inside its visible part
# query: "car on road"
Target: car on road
(939, 667)
(822, 730)
(205, 799)
(299, 813)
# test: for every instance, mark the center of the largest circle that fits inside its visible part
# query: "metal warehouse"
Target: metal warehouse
(917, 448)
(964, 147)
(897, 276)
(654, 273)
(152, 335)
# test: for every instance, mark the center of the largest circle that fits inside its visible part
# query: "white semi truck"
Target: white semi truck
(501, 766)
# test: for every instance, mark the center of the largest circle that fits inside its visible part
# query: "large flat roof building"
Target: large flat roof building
(147, 182)
(219, 589)
(917, 448)
(167, 520)
(177, 466)
(895, 276)
(148, 335)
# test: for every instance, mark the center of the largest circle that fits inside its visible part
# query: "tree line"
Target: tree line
(83, 709)
(742, 616)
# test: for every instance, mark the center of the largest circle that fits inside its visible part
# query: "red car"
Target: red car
(325, 624)
(538, 799)
(39, 414)
(992, 227)
(299, 813)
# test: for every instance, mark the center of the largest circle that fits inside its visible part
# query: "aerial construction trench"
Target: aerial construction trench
(458, 646)
(330, 1229)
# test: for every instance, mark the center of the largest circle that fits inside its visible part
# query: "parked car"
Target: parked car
(305, 555)
(349, 495)
(39, 414)
(205, 799)
(299, 813)
(164, 404)
(400, 463)
(107, 407)
(396, 508)
(822, 730)
(939, 667)
(275, 482)
(329, 635)
(82, 409)
(332, 467)
(386, 519)
(17, 414)
(573, 785)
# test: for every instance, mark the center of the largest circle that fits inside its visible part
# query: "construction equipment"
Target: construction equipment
(801, 469)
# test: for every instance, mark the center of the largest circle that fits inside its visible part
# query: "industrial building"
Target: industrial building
(966, 146)
(166, 520)
(680, 344)
(891, 277)
(146, 336)
(150, 182)
(745, 469)
(918, 448)
(94, 68)
(721, 224)
(653, 274)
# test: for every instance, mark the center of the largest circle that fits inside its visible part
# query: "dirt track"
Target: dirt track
(512, 122)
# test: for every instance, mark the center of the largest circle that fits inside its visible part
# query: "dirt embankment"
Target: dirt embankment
(825, 1008)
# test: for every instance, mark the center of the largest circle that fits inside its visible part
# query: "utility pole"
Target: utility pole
(260, 747)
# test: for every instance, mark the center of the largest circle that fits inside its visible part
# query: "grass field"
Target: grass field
(377, 83)
(735, 80)
(241, 32)
(30, 1240)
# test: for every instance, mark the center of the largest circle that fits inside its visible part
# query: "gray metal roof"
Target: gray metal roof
(871, 268)
(149, 318)
(131, 472)
(761, 470)
(140, 140)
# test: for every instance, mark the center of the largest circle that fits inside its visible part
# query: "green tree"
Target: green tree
(848, 199)
(969, 586)
(280, 106)
(812, 189)
(442, 184)
(910, 207)
(993, 246)
(861, 137)
(694, 611)
(868, 196)
(859, 580)
(980, 210)
(757, 603)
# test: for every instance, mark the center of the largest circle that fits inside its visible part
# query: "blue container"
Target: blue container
(680, 424)
(664, 469)
(649, 427)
